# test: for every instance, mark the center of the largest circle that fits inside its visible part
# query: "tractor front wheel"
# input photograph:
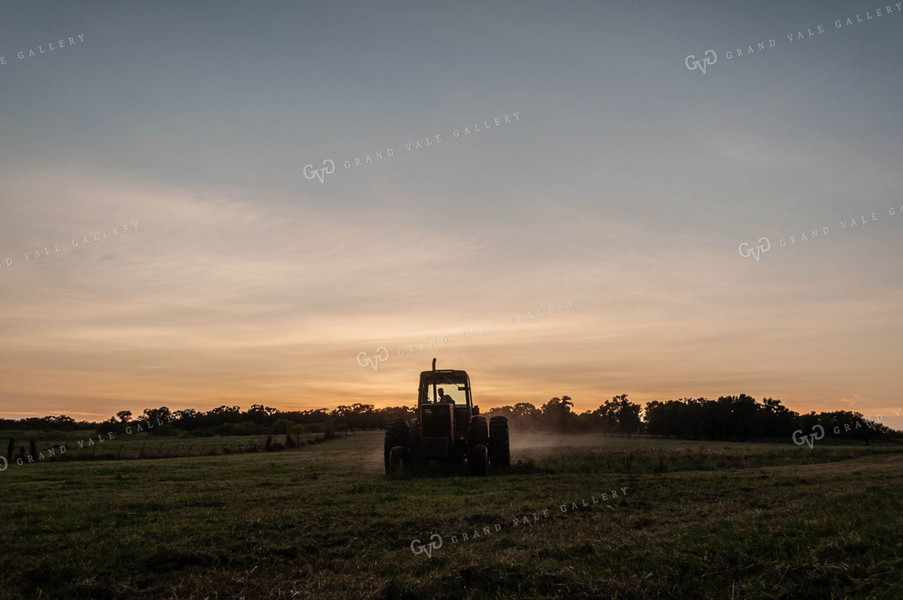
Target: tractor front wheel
(479, 460)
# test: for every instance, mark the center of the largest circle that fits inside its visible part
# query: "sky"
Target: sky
(561, 182)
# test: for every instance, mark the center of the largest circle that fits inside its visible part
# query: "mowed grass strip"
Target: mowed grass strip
(324, 522)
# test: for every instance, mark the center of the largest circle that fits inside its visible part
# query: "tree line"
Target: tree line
(735, 418)
(222, 420)
(727, 418)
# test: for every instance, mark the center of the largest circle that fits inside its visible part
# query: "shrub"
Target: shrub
(282, 426)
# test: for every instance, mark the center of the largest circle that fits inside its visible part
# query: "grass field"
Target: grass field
(140, 445)
(698, 520)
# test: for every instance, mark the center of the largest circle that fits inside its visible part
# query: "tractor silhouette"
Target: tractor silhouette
(447, 428)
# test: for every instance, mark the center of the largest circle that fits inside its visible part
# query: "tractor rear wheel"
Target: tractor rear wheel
(477, 453)
(479, 460)
(499, 444)
(396, 436)
(479, 432)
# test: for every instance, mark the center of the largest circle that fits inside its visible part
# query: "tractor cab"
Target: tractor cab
(445, 404)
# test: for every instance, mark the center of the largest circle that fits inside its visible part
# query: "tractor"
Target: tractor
(447, 427)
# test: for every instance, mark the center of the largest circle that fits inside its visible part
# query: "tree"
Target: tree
(60, 422)
(124, 416)
(151, 414)
(557, 415)
(502, 411)
(619, 414)
(343, 416)
(774, 420)
(525, 409)
(360, 415)
(606, 416)
(628, 415)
